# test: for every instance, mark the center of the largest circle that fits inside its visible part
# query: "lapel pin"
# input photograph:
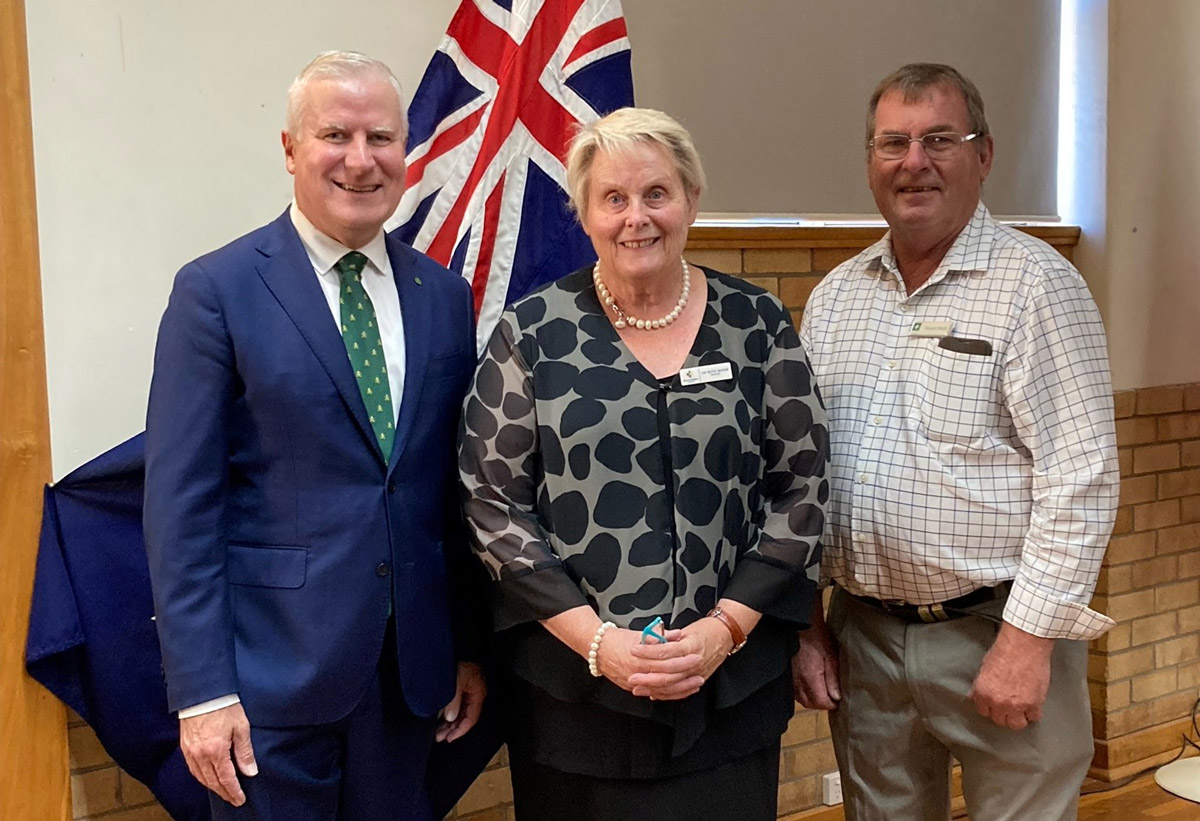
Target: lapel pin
(418, 280)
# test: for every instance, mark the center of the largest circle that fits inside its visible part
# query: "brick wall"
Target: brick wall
(1143, 675)
(99, 788)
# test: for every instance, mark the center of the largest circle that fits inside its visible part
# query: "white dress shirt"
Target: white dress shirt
(954, 470)
(324, 252)
(378, 282)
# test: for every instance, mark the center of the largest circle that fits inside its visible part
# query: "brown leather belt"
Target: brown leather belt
(939, 611)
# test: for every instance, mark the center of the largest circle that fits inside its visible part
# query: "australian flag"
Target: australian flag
(488, 132)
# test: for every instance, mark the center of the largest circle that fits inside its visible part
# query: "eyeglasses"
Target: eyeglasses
(939, 145)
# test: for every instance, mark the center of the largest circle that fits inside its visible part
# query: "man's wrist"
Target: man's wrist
(1013, 637)
(210, 706)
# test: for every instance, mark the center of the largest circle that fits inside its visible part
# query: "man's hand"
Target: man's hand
(207, 742)
(815, 681)
(463, 711)
(1014, 678)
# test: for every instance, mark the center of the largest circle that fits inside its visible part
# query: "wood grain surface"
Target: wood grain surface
(34, 782)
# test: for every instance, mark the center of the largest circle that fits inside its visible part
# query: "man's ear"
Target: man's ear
(289, 151)
(986, 156)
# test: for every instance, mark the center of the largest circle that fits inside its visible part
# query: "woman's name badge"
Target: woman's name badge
(931, 329)
(706, 373)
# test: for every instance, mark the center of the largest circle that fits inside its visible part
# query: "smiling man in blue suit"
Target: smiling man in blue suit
(301, 520)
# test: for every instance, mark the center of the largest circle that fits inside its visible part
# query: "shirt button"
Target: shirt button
(891, 364)
(904, 307)
(382, 569)
(862, 477)
(878, 420)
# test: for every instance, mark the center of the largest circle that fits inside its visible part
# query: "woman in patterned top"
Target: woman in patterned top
(644, 445)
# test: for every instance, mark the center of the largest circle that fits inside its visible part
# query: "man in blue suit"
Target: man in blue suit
(300, 514)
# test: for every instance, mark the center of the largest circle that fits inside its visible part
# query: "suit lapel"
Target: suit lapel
(416, 306)
(287, 272)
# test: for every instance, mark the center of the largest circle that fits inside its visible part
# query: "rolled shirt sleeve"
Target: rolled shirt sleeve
(1059, 393)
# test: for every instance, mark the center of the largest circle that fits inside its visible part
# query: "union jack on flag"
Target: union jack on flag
(488, 132)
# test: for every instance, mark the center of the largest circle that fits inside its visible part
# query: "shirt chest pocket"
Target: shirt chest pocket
(958, 396)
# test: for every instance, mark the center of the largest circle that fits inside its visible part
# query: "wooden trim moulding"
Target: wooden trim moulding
(1122, 756)
(834, 813)
(33, 746)
(836, 236)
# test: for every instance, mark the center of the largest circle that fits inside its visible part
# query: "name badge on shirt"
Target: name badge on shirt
(706, 373)
(934, 330)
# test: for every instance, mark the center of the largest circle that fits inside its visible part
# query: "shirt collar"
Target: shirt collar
(324, 251)
(971, 251)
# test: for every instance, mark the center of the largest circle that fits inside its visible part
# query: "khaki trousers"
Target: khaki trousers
(905, 711)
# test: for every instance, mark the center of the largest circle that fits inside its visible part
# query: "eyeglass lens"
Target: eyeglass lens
(895, 146)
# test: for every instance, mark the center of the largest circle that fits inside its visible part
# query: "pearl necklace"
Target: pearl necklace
(624, 320)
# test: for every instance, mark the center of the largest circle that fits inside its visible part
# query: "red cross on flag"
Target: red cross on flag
(489, 127)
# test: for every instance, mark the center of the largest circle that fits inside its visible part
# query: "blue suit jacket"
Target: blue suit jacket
(276, 534)
(92, 642)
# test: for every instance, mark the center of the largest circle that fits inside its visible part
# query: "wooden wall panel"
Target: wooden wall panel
(33, 744)
(832, 244)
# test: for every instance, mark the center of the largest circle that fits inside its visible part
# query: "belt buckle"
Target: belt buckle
(927, 613)
(930, 613)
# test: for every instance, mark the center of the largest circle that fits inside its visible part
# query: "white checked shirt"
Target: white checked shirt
(952, 470)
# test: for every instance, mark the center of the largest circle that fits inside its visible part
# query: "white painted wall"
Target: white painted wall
(1150, 261)
(156, 131)
(775, 91)
(156, 138)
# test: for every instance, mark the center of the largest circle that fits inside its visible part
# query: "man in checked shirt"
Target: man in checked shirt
(974, 485)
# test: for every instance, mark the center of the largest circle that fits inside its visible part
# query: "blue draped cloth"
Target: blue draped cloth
(92, 640)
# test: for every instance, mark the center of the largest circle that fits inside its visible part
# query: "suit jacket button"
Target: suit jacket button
(382, 569)
(391, 487)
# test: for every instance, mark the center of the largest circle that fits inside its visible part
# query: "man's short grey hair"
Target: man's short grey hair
(338, 65)
(915, 79)
(620, 131)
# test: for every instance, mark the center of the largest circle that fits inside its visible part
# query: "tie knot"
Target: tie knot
(351, 264)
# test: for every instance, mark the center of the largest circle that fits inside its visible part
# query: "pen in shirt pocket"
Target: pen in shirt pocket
(971, 347)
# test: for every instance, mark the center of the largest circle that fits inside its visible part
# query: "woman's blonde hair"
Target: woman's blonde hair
(622, 130)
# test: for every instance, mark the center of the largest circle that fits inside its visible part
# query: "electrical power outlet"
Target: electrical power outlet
(831, 789)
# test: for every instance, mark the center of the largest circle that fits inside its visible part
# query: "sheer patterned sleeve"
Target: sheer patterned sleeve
(779, 573)
(500, 467)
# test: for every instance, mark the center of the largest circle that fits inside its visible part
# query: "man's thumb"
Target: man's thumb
(243, 751)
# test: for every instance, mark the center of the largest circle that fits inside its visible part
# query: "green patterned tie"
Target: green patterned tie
(361, 335)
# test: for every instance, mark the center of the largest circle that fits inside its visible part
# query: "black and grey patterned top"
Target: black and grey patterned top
(568, 442)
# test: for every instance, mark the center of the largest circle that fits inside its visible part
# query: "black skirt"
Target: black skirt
(581, 748)
(744, 789)
(578, 761)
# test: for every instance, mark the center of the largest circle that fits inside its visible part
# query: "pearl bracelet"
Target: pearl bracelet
(594, 650)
